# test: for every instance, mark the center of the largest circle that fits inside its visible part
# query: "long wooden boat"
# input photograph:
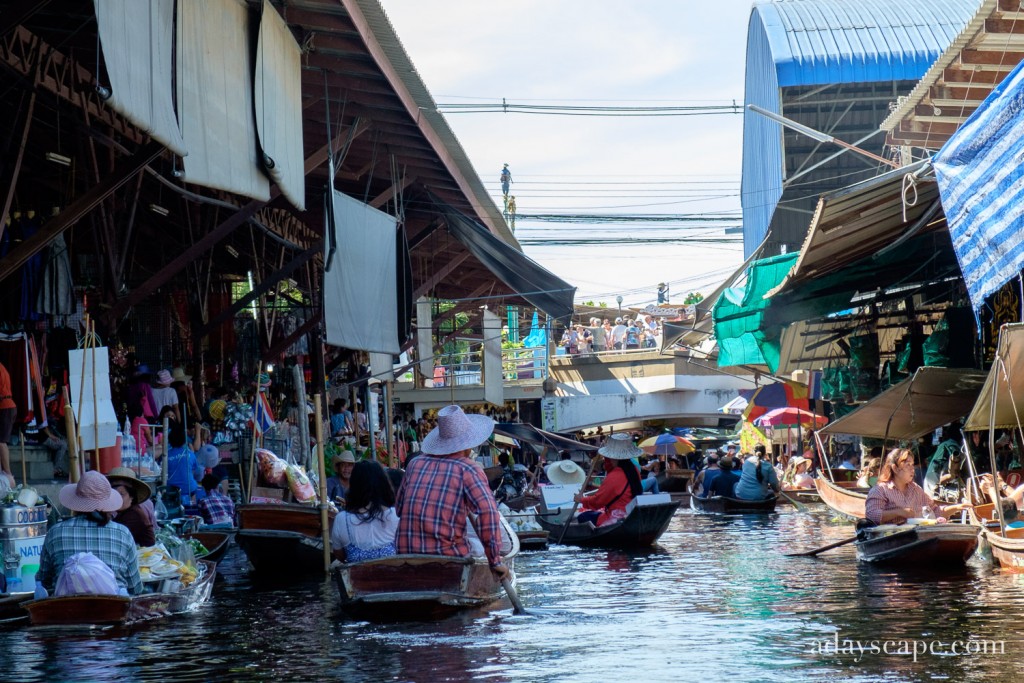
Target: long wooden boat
(675, 480)
(641, 528)
(280, 538)
(403, 587)
(806, 496)
(843, 497)
(681, 497)
(88, 610)
(1007, 551)
(520, 503)
(733, 506)
(533, 540)
(12, 609)
(923, 546)
(216, 542)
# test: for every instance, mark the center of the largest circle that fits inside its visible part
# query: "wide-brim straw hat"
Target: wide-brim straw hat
(125, 475)
(620, 447)
(565, 472)
(178, 375)
(456, 431)
(92, 493)
(344, 456)
(798, 460)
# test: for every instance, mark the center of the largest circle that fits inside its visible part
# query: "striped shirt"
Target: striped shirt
(885, 496)
(112, 543)
(432, 504)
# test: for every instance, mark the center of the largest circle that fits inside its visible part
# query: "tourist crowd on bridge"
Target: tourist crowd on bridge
(642, 332)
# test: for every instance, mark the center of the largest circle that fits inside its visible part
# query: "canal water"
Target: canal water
(715, 601)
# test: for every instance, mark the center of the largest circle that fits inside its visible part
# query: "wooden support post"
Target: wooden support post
(71, 430)
(322, 470)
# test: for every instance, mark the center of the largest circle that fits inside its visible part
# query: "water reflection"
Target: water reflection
(716, 600)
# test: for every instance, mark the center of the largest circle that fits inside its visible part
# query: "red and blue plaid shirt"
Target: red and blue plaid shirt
(217, 508)
(432, 505)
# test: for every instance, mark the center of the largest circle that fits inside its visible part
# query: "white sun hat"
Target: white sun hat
(456, 431)
(565, 472)
(620, 447)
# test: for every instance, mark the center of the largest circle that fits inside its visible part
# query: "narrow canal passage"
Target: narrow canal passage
(715, 601)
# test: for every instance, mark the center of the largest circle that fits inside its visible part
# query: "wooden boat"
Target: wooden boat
(642, 527)
(675, 480)
(733, 506)
(12, 609)
(520, 503)
(216, 542)
(281, 538)
(843, 497)
(403, 587)
(1007, 551)
(681, 497)
(533, 540)
(921, 546)
(806, 496)
(88, 610)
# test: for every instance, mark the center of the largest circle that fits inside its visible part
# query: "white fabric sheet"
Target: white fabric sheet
(137, 39)
(494, 385)
(425, 337)
(360, 291)
(215, 97)
(278, 91)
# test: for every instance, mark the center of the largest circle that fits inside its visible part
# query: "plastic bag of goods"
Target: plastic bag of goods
(85, 574)
(272, 468)
(300, 485)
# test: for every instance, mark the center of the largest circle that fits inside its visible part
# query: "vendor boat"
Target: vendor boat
(215, 542)
(1008, 550)
(733, 506)
(933, 547)
(12, 609)
(642, 527)
(115, 610)
(282, 538)
(533, 540)
(843, 497)
(403, 587)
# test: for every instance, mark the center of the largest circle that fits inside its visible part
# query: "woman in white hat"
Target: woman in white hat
(607, 504)
(91, 530)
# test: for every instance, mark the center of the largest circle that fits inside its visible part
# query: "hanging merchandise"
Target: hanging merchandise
(89, 380)
(17, 357)
(56, 294)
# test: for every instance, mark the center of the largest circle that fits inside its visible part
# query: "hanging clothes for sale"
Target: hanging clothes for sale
(17, 355)
(56, 291)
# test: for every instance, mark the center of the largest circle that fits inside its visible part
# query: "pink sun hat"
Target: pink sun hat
(92, 493)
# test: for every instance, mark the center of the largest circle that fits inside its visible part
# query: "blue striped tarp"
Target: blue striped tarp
(981, 181)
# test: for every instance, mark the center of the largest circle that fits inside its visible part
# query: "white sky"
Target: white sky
(650, 52)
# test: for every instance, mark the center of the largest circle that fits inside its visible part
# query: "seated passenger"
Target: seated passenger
(801, 478)
(621, 484)
(724, 483)
(131, 514)
(217, 509)
(758, 479)
(366, 528)
(701, 483)
(869, 475)
(897, 497)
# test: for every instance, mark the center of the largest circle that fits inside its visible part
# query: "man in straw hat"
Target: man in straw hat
(91, 531)
(621, 483)
(442, 486)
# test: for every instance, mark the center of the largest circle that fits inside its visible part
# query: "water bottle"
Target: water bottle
(926, 512)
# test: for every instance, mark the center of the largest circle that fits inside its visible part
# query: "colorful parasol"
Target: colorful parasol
(778, 395)
(791, 417)
(667, 444)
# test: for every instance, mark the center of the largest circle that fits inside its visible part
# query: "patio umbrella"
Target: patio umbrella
(790, 417)
(735, 406)
(777, 395)
(667, 444)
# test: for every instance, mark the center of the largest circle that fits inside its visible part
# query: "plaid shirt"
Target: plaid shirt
(113, 544)
(217, 508)
(885, 496)
(432, 504)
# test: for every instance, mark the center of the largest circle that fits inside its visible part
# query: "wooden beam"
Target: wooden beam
(17, 163)
(259, 290)
(10, 19)
(440, 275)
(278, 349)
(385, 196)
(124, 172)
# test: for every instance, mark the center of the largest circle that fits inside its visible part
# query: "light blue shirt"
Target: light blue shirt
(748, 487)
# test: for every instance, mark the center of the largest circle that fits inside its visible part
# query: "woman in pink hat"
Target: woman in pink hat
(91, 530)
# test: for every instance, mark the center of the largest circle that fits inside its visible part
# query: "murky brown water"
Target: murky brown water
(716, 601)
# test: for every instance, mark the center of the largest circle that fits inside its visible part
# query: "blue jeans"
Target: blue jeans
(650, 485)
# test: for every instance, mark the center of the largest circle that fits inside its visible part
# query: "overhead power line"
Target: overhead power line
(506, 107)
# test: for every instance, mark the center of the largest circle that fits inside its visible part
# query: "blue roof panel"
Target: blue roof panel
(814, 42)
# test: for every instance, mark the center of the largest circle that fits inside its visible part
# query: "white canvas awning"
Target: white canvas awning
(138, 40)
(1008, 385)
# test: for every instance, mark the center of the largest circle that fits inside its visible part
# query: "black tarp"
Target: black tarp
(531, 434)
(539, 286)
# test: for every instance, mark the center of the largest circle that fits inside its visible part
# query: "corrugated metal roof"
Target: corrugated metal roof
(840, 41)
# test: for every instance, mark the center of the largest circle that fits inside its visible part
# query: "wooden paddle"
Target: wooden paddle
(800, 507)
(812, 553)
(513, 596)
(576, 504)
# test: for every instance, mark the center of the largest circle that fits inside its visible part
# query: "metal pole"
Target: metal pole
(300, 392)
(388, 426)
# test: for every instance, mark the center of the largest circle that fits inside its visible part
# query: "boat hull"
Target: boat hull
(933, 547)
(733, 506)
(102, 610)
(846, 501)
(403, 587)
(281, 538)
(806, 496)
(1007, 552)
(641, 528)
(533, 540)
(216, 542)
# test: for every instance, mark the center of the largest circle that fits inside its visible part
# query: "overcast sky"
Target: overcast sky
(664, 52)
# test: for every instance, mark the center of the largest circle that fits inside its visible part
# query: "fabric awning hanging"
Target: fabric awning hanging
(1009, 388)
(215, 97)
(981, 181)
(925, 401)
(743, 337)
(277, 86)
(138, 41)
(360, 290)
(531, 434)
(542, 288)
